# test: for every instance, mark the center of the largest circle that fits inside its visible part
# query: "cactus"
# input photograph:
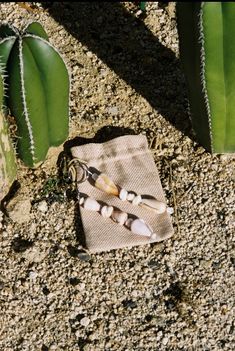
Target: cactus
(7, 155)
(143, 5)
(38, 92)
(207, 50)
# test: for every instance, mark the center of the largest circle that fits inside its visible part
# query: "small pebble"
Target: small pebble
(42, 206)
(85, 321)
(33, 275)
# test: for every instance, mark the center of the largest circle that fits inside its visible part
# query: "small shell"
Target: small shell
(91, 204)
(154, 204)
(81, 200)
(123, 194)
(130, 196)
(119, 217)
(139, 227)
(103, 182)
(106, 211)
(128, 222)
(137, 200)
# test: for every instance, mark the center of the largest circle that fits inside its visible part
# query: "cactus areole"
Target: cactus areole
(207, 50)
(38, 92)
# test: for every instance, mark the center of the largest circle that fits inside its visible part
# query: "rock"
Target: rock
(112, 110)
(85, 321)
(19, 210)
(33, 275)
(35, 254)
(42, 206)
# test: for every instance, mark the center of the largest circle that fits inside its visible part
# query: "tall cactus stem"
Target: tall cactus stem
(7, 154)
(39, 86)
(207, 51)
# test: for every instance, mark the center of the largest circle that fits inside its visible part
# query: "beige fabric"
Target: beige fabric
(129, 163)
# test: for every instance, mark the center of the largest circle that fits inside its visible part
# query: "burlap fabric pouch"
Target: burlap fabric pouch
(129, 163)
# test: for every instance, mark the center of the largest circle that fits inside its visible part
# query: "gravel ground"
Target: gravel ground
(176, 295)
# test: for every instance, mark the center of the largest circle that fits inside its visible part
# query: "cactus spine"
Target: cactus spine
(38, 91)
(7, 155)
(207, 50)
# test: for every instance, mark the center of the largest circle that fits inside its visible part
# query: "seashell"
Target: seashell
(123, 194)
(103, 182)
(91, 204)
(128, 222)
(81, 200)
(130, 196)
(106, 211)
(139, 227)
(137, 200)
(154, 204)
(119, 217)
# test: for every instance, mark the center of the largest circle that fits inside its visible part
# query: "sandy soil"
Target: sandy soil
(176, 295)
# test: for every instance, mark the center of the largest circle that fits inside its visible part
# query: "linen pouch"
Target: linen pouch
(129, 163)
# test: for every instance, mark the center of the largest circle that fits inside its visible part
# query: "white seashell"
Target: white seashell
(91, 204)
(106, 211)
(119, 217)
(130, 196)
(137, 200)
(154, 204)
(103, 182)
(123, 194)
(128, 222)
(81, 200)
(139, 227)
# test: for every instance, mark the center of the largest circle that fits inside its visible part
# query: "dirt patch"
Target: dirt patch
(177, 295)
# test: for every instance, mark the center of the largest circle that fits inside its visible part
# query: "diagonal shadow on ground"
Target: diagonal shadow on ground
(129, 48)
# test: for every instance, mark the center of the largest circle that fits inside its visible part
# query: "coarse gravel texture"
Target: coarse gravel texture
(175, 295)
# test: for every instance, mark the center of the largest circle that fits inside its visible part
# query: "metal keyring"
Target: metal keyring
(74, 170)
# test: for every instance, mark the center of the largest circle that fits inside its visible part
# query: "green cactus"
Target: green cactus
(143, 5)
(7, 155)
(38, 92)
(207, 50)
